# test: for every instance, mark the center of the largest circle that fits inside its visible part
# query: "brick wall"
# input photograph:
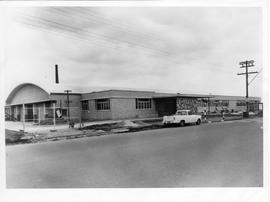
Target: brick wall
(123, 108)
(74, 105)
(120, 108)
(93, 114)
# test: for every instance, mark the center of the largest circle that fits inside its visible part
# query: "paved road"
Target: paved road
(222, 154)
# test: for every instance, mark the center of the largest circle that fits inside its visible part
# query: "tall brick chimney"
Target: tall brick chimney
(56, 74)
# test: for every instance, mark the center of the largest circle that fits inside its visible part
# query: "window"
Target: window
(47, 104)
(102, 104)
(181, 113)
(203, 102)
(143, 103)
(241, 103)
(85, 105)
(219, 103)
(225, 103)
(64, 112)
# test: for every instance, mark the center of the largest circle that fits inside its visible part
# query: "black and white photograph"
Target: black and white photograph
(133, 97)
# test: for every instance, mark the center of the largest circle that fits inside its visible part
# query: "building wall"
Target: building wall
(120, 108)
(74, 104)
(126, 108)
(122, 105)
(93, 114)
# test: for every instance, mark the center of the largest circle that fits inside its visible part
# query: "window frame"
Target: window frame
(143, 103)
(85, 105)
(103, 106)
(241, 103)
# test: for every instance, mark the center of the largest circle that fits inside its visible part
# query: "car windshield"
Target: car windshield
(181, 113)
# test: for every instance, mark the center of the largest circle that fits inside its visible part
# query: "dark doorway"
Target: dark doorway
(29, 116)
(165, 106)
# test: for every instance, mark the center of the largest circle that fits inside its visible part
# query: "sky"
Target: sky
(166, 49)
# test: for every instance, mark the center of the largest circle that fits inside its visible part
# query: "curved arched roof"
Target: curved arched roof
(48, 89)
(19, 87)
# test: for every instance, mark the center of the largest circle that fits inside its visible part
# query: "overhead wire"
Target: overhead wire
(83, 18)
(80, 39)
(255, 76)
(76, 10)
(65, 27)
(109, 22)
(79, 32)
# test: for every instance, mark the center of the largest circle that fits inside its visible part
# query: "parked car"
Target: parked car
(182, 117)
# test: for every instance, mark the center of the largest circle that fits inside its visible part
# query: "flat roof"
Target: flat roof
(170, 95)
(88, 93)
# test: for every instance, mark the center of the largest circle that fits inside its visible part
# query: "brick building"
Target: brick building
(40, 103)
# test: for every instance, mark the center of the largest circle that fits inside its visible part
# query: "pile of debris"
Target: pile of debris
(122, 126)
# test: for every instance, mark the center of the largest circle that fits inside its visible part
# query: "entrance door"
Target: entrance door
(165, 106)
(29, 112)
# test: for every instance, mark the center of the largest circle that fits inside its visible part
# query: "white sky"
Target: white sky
(185, 50)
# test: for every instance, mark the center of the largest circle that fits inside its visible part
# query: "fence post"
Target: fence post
(81, 124)
(54, 116)
(39, 115)
(23, 117)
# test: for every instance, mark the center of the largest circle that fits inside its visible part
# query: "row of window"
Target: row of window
(104, 104)
(241, 103)
(216, 103)
(146, 103)
(219, 103)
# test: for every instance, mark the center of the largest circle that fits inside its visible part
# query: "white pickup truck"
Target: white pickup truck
(182, 117)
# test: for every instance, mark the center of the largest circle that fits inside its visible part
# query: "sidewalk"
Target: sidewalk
(30, 127)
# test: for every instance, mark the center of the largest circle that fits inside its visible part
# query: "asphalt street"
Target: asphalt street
(228, 154)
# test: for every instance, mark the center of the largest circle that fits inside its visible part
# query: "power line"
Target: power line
(78, 32)
(255, 76)
(110, 22)
(125, 28)
(84, 18)
(44, 23)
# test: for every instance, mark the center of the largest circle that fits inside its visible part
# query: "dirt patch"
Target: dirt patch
(103, 127)
(124, 126)
(16, 137)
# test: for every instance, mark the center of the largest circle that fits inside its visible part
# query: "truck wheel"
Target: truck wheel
(198, 122)
(182, 123)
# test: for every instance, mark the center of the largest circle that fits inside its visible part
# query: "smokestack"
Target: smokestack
(56, 74)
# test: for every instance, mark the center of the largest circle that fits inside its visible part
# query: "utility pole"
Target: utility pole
(246, 64)
(68, 91)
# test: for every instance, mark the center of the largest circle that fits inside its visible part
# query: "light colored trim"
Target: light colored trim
(117, 97)
(31, 102)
